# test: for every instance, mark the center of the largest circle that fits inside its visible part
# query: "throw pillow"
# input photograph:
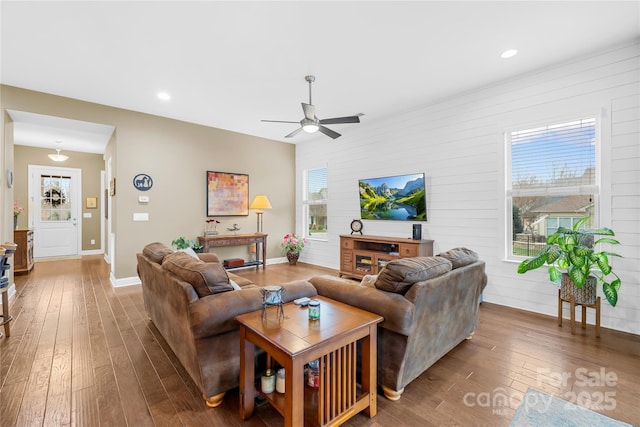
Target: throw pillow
(206, 278)
(156, 251)
(369, 281)
(190, 252)
(460, 257)
(234, 285)
(400, 274)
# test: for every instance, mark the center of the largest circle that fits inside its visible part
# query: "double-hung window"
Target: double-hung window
(315, 203)
(551, 181)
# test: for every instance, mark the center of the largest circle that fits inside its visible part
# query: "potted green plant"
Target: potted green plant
(182, 243)
(573, 262)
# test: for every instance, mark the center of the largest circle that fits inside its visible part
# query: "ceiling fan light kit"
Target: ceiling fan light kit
(310, 123)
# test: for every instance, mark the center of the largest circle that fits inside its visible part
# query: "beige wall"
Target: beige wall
(90, 165)
(176, 155)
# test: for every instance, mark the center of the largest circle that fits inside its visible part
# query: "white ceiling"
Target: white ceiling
(231, 64)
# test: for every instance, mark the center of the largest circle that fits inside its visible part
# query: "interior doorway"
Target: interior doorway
(43, 131)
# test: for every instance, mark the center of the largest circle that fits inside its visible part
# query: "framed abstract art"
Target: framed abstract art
(227, 194)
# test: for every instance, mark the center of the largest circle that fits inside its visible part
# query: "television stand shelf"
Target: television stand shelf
(362, 255)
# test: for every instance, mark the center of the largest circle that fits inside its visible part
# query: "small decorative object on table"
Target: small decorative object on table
(17, 210)
(314, 309)
(272, 295)
(280, 381)
(268, 382)
(234, 229)
(292, 245)
(313, 374)
(210, 228)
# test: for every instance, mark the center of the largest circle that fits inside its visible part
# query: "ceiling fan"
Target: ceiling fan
(310, 123)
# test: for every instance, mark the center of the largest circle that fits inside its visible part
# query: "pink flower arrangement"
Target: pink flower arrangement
(291, 242)
(17, 210)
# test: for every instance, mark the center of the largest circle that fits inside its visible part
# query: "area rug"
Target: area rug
(541, 409)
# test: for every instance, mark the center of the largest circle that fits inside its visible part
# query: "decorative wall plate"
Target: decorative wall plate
(142, 182)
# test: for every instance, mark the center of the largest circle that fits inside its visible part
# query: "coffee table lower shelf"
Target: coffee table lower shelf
(311, 405)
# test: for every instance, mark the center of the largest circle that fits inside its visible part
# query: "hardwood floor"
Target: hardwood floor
(82, 353)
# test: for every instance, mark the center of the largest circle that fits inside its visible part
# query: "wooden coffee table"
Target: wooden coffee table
(292, 342)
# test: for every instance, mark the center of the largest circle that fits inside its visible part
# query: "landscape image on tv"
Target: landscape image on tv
(400, 198)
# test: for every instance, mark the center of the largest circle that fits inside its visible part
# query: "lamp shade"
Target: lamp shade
(260, 202)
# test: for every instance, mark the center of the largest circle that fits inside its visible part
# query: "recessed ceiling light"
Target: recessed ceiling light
(509, 53)
(164, 96)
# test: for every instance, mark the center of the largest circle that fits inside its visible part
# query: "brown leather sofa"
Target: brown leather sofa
(429, 305)
(193, 304)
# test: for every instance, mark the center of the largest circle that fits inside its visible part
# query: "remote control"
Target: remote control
(301, 301)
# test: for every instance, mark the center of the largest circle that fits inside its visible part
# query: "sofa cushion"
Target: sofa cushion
(400, 274)
(206, 278)
(460, 257)
(156, 251)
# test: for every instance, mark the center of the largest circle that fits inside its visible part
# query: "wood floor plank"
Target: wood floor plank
(84, 407)
(85, 354)
(58, 410)
(110, 410)
(131, 396)
(99, 353)
(10, 400)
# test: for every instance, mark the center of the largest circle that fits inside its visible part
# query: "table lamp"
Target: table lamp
(260, 202)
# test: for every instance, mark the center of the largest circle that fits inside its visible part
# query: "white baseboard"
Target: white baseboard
(125, 281)
(92, 252)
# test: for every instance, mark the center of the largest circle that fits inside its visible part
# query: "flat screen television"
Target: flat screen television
(399, 198)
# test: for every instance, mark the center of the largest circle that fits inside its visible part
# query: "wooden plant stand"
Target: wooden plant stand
(572, 307)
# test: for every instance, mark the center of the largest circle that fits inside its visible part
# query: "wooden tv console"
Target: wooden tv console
(362, 255)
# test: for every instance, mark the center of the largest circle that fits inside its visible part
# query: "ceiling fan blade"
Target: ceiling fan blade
(309, 111)
(338, 120)
(294, 133)
(278, 121)
(328, 132)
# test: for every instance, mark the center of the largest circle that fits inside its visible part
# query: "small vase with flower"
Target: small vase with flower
(210, 228)
(291, 246)
(17, 210)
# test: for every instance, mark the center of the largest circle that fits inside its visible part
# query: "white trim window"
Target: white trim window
(314, 202)
(552, 180)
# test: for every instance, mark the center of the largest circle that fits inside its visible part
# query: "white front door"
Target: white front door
(54, 217)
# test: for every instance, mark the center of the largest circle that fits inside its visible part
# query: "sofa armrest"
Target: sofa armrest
(396, 309)
(208, 257)
(215, 314)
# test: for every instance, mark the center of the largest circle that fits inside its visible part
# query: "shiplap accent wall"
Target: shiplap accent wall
(459, 144)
